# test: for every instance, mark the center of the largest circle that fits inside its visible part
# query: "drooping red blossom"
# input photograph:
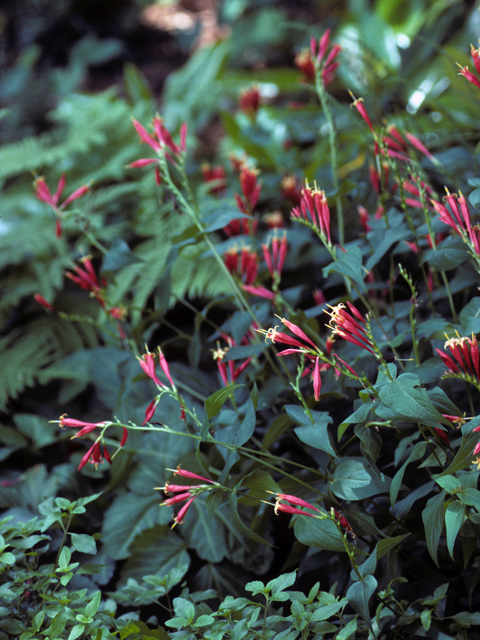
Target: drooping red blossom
(289, 504)
(185, 492)
(42, 192)
(343, 522)
(87, 279)
(349, 325)
(41, 300)
(227, 370)
(360, 107)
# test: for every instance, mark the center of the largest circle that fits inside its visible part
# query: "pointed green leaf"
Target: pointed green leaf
(432, 517)
(454, 515)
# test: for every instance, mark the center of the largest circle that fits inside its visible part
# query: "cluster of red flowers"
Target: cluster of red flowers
(147, 363)
(162, 140)
(394, 143)
(464, 359)
(227, 370)
(243, 263)
(249, 101)
(287, 503)
(184, 493)
(475, 53)
(87, 279)
(42, 192)
(314, 210)
(459, 218)
(309, 60)
(94, 454)
(349, 326)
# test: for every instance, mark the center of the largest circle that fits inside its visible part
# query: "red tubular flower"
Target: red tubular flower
(343, 522)
(227, 370)
(163, 139)
(147, 363)
(42, 192)
(291, 189)
(276, 257)
(150, 411)
(348, 327)
(469, 75)
(314, 210)
(464, 359)
(215, 177)
(79, 424)
(41, 300)
(179, 518)
(93, 455)
(250, 189)
(165, 368)
(87, 279)
(249, 101)
(184, 473)
(364, 218)
(317, 381)
(282, 501)
(360, 107)
(261, 292)
(272, 334)
(304, 61)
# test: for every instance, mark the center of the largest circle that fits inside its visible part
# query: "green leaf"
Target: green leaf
(119, 256)
(408, 402)
(451, 253)
(388, 238)
(155, 551)
(467, 617)
(463, 457)
(432, 517)
(76, 631)
(454, 515)
(313, 434)
(449, 483)
(247, 427)
(128, 516)
(83, 543)
(348, 264)
(215, 402)
(358, 596)
(387, 544)
(92, 607)
(184, 609)
(470, 317)
(417, 452)
(281, 583)
(354, 479)
(238, 524)
(319, 534)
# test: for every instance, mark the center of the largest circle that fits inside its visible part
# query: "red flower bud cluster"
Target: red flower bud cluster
(42, 192)
(314, 210)
(185, 492)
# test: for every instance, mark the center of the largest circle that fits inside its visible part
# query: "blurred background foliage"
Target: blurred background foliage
(74, 72)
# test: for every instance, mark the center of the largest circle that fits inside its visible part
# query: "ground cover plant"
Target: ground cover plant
(240, 368)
